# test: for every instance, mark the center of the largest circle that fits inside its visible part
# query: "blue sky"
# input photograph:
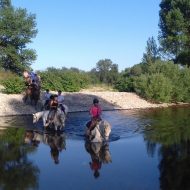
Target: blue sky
(78, 33)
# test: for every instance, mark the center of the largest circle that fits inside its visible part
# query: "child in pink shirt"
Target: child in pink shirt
(95, 110)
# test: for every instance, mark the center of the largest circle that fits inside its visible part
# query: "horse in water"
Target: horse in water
(100, 132)
(58, 122)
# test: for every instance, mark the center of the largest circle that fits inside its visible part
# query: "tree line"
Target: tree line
(161, 76)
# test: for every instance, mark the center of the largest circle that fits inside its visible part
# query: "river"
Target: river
(148, 150)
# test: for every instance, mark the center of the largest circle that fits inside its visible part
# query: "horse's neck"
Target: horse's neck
(96, 133)
(40, 114)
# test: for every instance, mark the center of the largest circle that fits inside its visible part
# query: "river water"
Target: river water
(148, 150)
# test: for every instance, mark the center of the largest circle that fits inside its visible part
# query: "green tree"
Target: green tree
(17, 28)
(106, 71)
(152, 52)
(175, 30)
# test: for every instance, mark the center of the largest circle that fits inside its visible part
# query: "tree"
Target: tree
(106, 71)
(174, 33)
(17, 28)
(152, 52)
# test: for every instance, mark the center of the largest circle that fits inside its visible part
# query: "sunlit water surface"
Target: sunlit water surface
(148, 149)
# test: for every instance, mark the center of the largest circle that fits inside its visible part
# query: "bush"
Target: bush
(161, 81)
(124, 84)
(66, 80)
(154, 87)
(13, 85)
(5, 75)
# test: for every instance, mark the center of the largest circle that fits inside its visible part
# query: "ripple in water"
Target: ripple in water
(124, 125)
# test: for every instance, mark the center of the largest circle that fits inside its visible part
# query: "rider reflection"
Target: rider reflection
(56, 142)
(99, 153)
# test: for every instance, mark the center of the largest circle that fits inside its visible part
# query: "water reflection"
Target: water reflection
(57, 143)
(55, 140)
(16, 170)
(100, 154)
(33, 137)
(170, 132)
(152, 151)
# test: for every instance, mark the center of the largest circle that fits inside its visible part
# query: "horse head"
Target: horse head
(35, 118)
(101, 131)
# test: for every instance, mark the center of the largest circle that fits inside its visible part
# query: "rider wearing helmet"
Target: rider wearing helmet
(95, 112)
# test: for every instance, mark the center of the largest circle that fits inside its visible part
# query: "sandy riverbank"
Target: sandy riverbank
(80, 101)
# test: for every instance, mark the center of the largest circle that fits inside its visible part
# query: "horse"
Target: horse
(33, 93)
(100, 132)
(57, 122)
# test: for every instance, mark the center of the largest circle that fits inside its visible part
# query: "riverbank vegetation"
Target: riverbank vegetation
(163, 75)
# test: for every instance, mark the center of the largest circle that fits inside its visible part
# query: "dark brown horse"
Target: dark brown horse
(33, 93)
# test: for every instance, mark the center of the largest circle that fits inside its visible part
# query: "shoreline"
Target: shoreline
(12, 105)
(121, 109)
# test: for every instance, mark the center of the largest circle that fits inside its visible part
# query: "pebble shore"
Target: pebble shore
(79, 101)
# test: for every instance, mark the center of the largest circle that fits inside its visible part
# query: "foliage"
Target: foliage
(174, 30)
(16, 170)
(5, 75)
(124, 84)
(162, 81)
(152, 52)
(105, 72)
(68, 80)
(13, 85)
(155, 87)
(17, 28)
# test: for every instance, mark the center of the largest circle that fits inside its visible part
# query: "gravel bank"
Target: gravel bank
(81, 101)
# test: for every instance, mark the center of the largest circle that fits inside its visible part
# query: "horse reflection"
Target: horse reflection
(33, 138)
(56, 142)
(100, 154)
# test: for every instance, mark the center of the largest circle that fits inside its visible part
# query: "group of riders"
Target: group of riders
(53, 102)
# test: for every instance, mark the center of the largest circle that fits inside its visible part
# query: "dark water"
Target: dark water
(148, 150)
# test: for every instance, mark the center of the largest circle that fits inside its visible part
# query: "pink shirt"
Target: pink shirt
(95, 111)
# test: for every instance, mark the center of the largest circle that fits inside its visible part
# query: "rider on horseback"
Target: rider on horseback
(46, 99)
(53, 108)
(95, 112)
(60, 99)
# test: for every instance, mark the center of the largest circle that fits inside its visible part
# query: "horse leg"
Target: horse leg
(25, 98)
